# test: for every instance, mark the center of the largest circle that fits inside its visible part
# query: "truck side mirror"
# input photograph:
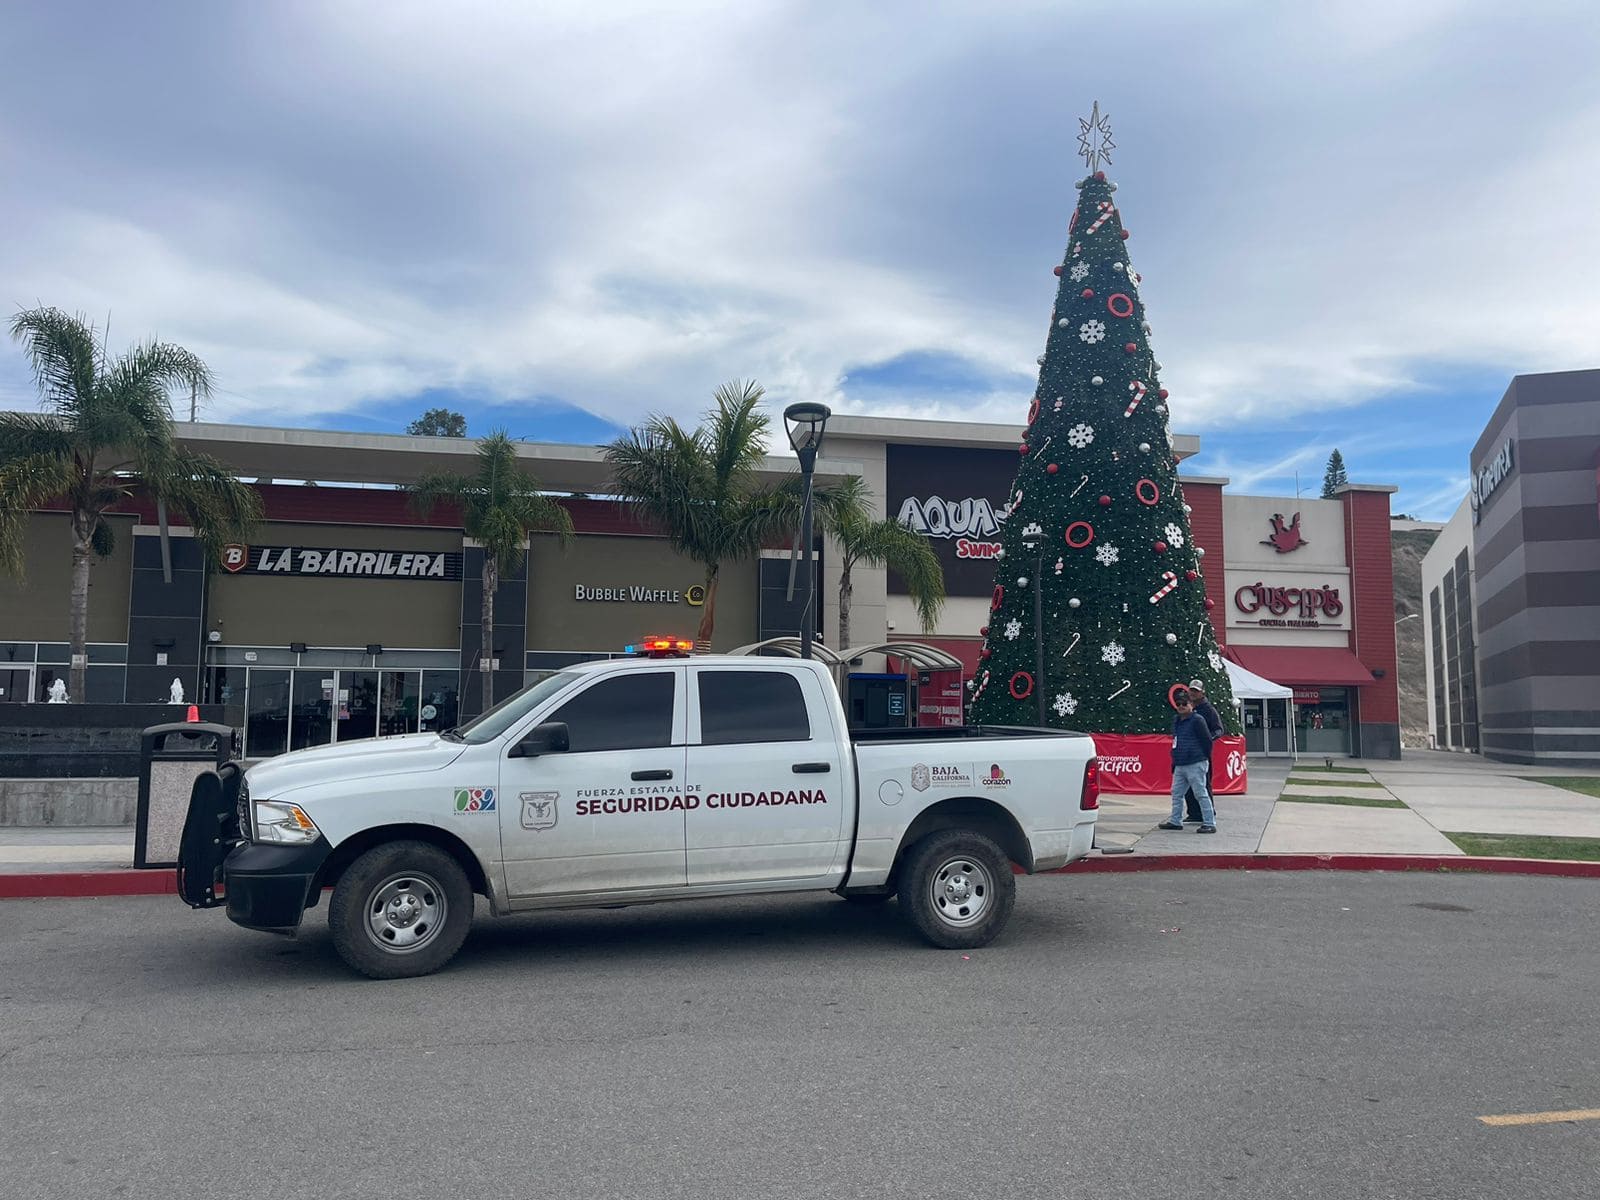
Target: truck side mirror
(549, 738)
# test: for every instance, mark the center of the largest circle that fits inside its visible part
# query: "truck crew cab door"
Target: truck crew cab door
(607, 813)
(765, 763)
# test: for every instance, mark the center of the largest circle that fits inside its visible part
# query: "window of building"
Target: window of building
(631, 712)
(751, 706)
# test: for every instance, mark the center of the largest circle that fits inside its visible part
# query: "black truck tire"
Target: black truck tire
(400, 910)
(957, 889)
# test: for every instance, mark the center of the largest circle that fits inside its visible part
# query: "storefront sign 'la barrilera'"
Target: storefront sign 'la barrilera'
(349, 564)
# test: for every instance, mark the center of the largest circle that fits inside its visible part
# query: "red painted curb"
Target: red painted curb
(1571, 868)
(66, 885)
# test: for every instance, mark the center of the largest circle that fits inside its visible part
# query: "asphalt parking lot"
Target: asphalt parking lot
(1167, 1034)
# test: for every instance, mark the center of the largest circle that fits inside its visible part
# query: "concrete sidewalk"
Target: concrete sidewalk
(1425, 796)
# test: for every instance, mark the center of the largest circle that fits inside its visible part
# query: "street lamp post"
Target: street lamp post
(805, 422)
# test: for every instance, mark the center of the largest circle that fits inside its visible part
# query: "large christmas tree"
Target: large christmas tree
(1099, 607)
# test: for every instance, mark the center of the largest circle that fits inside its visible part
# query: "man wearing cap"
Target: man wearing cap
(1206, 711)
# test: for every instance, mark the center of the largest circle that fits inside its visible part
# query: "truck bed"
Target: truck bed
(950, 733)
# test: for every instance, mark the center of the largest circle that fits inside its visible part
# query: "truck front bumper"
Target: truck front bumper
(267, 887)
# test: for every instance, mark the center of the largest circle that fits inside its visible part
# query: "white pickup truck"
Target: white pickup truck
(637, 781)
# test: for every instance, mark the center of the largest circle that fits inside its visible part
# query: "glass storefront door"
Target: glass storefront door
(16, 683)
(357, 712)
(397, 701)
(1323, 718)
(266, 728)
(312, 707)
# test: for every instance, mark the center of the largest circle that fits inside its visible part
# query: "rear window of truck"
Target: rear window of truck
(751, 706)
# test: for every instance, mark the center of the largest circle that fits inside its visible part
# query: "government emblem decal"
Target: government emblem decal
(539, 809)
(474, 800)
(921, 777)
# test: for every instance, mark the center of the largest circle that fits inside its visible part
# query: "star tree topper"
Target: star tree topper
(1094, 139)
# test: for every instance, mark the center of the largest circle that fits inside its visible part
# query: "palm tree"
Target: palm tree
(500, 505)
(701, 487)
(106, 436)
(844, 510)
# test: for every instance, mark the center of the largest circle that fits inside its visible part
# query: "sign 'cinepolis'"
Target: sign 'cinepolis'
(1491, 476)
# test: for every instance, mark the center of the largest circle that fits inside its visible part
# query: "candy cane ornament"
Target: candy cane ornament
(1166, 588)
(1073, 645)
(1106, 209)
(1043, 448)
(1079, 488)
(1126, 684)
(1138, 387)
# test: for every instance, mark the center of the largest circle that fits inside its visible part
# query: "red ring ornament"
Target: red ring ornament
(1144, 485)
(1033, 411)
(1072, 225)
(999, 596)
(1079, 525)
(1124, 309)
(1172, 693)
(1026, 691)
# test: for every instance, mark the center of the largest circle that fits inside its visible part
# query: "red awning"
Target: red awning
(1331, 666)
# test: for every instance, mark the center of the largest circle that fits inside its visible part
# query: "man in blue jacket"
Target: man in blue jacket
(1191, 751)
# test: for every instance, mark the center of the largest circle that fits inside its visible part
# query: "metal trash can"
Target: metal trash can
(171, 758)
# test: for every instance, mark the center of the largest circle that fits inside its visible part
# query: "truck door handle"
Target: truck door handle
(641, 776)
(821, 768)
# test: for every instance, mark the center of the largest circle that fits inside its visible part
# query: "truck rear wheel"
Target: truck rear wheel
(957, 889)
(400, 910)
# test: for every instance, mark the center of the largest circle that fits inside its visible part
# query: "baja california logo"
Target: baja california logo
(539, 809)
(1285, 537)
(921, 777)
(475, 800)
(235, 557)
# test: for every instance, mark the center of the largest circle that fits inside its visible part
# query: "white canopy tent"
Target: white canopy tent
(1247, 685)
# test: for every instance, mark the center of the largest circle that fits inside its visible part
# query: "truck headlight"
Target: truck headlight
(284, 823)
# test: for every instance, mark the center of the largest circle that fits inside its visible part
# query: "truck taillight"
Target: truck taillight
(1091, 786)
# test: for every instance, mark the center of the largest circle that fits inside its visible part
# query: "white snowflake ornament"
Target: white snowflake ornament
(1065, 704)
(1174, 535)
(1080, 435)
(1092, 332)
(1013, 629)
(1113, 653)
(1107, 554)
(1032, 530)
(1215, 660)
(1079, 273)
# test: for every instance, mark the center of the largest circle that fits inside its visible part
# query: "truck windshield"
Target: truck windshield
(490, 725)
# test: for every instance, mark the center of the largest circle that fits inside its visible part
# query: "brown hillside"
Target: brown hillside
(1408, 547)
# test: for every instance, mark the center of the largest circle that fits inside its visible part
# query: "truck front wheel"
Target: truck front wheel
(401, 909)
(957, 888)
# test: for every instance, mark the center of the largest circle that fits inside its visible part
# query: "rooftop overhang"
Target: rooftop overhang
(327, 456)
(907, 431)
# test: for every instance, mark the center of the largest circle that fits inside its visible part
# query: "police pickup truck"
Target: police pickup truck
(638, 781)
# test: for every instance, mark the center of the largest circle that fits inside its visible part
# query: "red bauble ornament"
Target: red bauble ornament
(1022, 449)
(1119, 305)
(1079, 534)
(1160, 547)
(1124, 235)
(1210, 603)
(1100, 175)
(1105, 501)
(1056, 272)
(1087, 293)
(1021, 685)
(1190, 576)
(1052, 469)
(1162, 392)
(984, 632)
(1132, 347)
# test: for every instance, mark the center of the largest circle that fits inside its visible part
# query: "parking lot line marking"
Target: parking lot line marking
(1543, 1118)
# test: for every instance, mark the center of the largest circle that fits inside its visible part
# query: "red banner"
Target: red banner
(939, 701)
(1142, 763)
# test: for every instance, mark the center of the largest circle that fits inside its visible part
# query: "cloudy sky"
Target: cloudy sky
(1355, 221)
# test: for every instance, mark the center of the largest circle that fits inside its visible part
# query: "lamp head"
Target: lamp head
(805, 422)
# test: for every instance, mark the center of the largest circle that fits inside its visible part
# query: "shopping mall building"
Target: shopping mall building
(1512, 585)
(349, 615)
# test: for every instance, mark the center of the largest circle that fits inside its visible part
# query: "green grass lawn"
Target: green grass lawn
(1506, 845)
(1358, 801)
(1584, 785)
(1305, 779)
